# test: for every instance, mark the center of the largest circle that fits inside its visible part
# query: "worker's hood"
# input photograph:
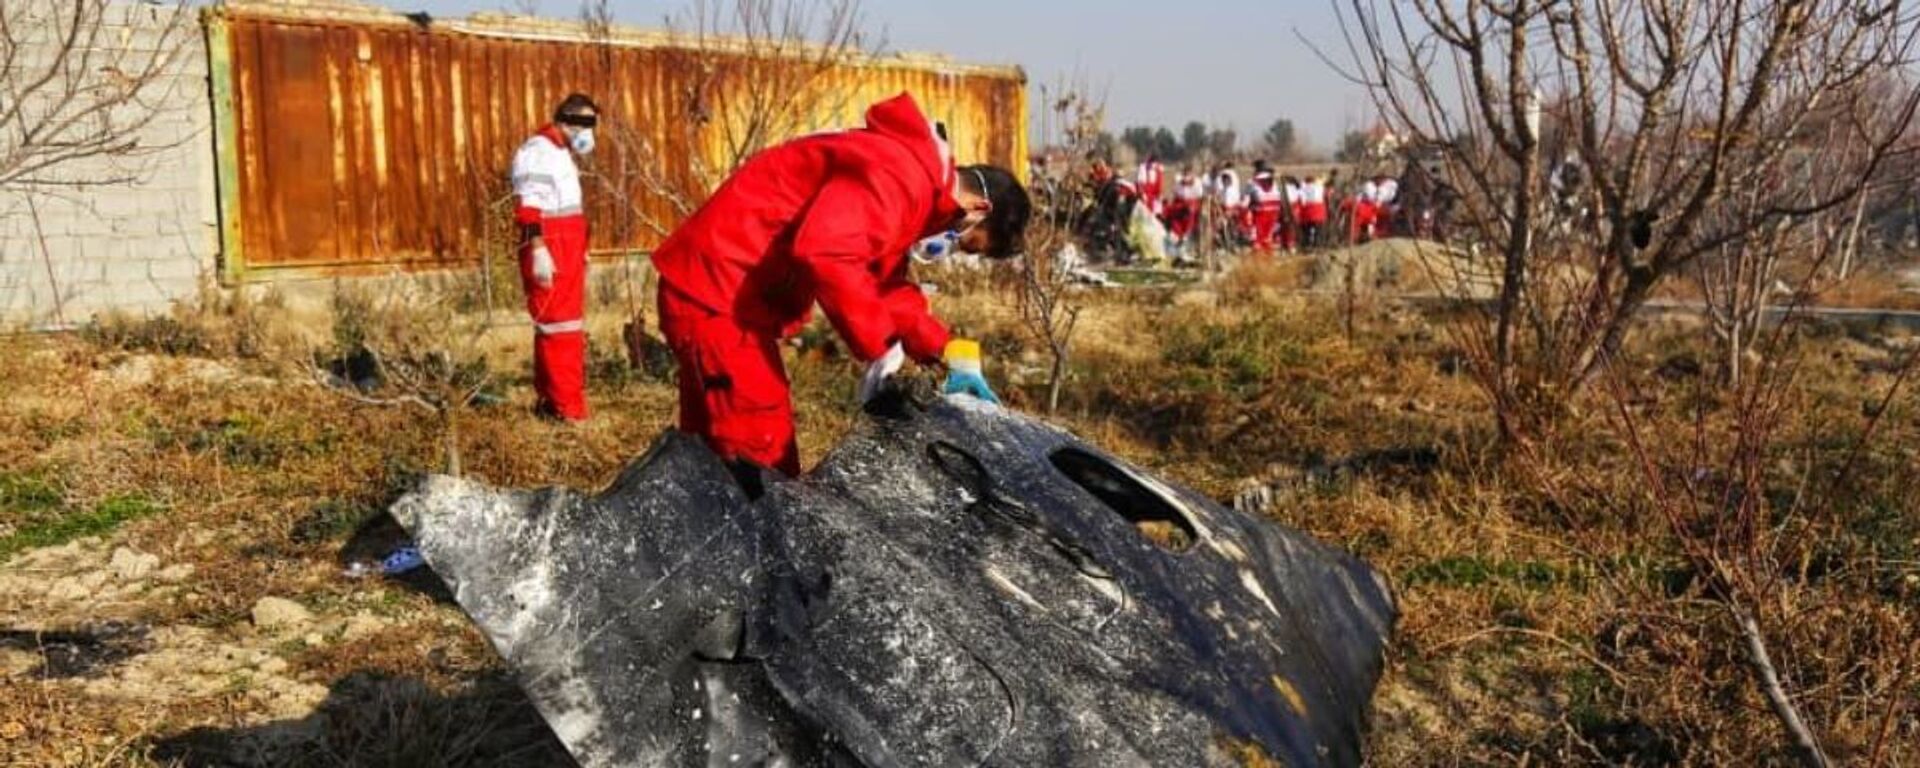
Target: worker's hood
(955, 584)
(900, 118)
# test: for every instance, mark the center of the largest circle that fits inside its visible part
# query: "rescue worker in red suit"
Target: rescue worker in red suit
(1184, 212)
(1151, 178)
(1365, 211)
(553, 254)
(1313, 210)
(830, 219)
(1267, 198)
(1233, 204)
(1290, 213)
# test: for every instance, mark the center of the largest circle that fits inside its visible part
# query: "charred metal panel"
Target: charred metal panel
(363, 139)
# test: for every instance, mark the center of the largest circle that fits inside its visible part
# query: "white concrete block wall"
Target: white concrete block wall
(138, 246)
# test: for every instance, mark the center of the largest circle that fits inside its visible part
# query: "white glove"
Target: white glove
(542, 266)
(878, 371)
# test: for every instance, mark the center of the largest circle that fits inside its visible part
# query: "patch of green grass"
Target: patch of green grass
(1470, 571)
(53, 527)
(1153, 276)
(1242, 354)
(27, 494)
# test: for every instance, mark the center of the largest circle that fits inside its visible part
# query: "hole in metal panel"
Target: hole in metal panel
(1159, 519)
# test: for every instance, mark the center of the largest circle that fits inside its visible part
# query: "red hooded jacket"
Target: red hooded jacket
(827, 218)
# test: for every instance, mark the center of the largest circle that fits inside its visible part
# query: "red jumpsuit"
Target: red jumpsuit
(547, 186)
(827, 218)
(1267, 199)
(1151, 178)
(1313, 211)
(1363, 210)
(1184, 213)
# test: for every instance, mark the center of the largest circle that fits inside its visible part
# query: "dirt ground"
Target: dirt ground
(181, 500)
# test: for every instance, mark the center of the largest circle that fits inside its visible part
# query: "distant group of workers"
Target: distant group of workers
(1268, 212)
(825, 219)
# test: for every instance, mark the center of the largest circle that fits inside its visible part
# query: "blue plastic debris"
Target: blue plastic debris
(402, 560)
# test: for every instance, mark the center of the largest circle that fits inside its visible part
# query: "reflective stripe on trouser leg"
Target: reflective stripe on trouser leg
(560, 372)
(558, 311)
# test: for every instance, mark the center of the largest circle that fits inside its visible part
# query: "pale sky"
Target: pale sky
(1237, 62)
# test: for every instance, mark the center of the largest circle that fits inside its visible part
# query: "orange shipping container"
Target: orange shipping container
(353, 137)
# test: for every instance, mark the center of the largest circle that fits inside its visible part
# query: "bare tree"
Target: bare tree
(1717, 495)
(1669, 107)
(762, 71)
(759, 72)
(406, 343)
(1738, 282)
(81, 80)
(1048, 305)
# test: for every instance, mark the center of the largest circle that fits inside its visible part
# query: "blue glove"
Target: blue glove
(963, 371)
(959, 383)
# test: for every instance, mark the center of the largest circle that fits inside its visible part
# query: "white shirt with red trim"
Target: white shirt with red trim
(545, 178)
(1227, 185)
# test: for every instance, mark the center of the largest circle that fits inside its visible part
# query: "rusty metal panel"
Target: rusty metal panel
(366, 140)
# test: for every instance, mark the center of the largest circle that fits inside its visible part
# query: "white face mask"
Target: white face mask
(935, 248)
(582, 141)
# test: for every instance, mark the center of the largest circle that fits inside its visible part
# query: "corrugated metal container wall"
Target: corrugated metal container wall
(356, 142)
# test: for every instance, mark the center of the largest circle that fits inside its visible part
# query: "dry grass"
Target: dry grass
(1546, 617)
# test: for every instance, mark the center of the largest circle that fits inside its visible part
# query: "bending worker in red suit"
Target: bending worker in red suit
(553, 254)
(827, 218)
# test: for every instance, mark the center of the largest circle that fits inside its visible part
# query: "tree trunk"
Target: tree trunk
(1513, 278)
(1852, 243)
(1632, 296)
(1055, 378)
(455, 466)
(1805, 745)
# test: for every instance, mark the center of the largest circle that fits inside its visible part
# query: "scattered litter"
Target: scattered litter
(402, 560)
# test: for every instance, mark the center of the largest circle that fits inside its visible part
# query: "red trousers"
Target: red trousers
(559, 318)
(1365, 214)
(734, 391)
(1180, 218)
(1263, 224)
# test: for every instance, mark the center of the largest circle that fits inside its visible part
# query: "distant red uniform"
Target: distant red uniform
(1312, 210)
(1184, 212)
(1365, 212)
(1150, 178)
(1268, 197)
(827, 218)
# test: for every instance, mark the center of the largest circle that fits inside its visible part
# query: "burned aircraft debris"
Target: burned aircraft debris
(954, 584)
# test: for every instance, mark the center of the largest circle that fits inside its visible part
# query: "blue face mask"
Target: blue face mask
(582, 141)
(935, 248)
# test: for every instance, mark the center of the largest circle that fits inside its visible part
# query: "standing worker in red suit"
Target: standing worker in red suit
(1313, 210)
(1184, 213)
(827, 219)
(1267, 198)
(553, 254)
(1151, 178)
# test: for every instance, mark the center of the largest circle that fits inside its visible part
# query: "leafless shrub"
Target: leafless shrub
(758, 72)
(1048, 307)
(1669, 108)
(82, 80)
(1747, 517)
(406, 344)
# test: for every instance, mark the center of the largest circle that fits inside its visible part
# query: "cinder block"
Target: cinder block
(176, 277)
